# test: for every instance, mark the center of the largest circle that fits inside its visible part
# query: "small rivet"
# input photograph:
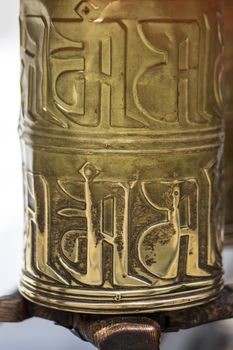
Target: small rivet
(117, 297)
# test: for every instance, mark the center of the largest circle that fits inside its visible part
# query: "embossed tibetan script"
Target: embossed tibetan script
(122, 138)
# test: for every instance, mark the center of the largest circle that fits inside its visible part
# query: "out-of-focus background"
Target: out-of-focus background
(35, 333)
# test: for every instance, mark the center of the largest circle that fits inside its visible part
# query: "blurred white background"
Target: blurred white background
(35, 333)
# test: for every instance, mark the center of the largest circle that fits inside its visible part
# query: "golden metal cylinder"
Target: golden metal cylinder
(122, 138)
(228, 78)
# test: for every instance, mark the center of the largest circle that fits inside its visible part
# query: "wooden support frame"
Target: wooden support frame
(121, 332)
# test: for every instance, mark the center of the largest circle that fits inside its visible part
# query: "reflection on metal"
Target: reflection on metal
(122, 138)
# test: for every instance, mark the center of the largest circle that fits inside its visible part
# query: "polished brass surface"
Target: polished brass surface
(122, 138)
(228, 78)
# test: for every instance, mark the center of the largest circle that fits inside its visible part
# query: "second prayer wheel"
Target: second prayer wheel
(122, 139)
(228, 113)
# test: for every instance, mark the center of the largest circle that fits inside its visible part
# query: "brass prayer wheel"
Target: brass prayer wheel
(122, 141)
(228, 78)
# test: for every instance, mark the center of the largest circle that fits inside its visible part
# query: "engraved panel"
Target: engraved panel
(86, 75)
(105, 213)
